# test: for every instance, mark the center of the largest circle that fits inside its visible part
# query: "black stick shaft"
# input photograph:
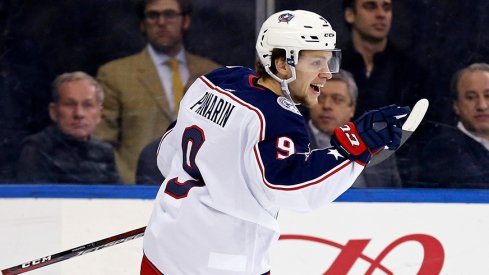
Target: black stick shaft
(384, 154)
(74, 252)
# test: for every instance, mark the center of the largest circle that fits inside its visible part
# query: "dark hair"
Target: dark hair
(349, 4)
(260, 69)
(484, 67)
(185, 7)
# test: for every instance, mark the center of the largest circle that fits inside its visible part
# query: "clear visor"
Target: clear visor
(320, 61)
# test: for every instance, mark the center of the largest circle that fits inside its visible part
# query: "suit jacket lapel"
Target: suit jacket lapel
(147, 75)
(194, 68)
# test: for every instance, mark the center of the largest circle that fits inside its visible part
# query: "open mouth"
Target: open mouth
(316, 87)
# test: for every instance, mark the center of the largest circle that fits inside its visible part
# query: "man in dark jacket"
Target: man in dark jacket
(383, 72)
(66, 152)
(459, 156)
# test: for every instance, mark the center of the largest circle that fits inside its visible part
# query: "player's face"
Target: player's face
(334, 108)
(312, 73)
(472, 105)
(164, 25)
(78, 111)
(371, 19)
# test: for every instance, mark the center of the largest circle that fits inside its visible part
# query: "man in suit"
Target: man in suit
(336, 106)
(459, 156)
(144, 90)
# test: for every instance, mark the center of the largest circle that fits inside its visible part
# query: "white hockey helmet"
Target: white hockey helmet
(294, 31)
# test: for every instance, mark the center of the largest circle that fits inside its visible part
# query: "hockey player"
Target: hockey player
(239, 152)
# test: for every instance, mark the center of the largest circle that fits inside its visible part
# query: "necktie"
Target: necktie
(176, 83)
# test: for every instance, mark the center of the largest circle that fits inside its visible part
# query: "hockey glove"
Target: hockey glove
(370, 133)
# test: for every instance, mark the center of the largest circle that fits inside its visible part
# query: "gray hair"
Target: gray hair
(456, 77)
(347, 77)
(75, 76)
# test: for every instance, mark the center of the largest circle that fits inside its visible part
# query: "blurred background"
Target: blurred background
(41, 39)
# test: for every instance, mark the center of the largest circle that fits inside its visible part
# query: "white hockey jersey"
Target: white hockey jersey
(236, 155)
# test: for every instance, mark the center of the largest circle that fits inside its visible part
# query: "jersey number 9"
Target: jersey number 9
(192, 139)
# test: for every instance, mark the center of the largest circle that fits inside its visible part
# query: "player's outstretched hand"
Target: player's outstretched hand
(370, 133)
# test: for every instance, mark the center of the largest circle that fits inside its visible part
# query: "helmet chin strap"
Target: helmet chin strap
(284, 83)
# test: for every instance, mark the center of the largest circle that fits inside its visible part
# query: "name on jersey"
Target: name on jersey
(213, 108)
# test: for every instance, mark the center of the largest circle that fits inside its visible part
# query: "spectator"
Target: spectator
(336, 106)
(459, 157)
(147, 172)
(66, 152)
(142, 92)
(382, 71)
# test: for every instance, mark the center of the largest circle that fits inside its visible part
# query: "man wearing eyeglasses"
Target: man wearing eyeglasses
(144, 90)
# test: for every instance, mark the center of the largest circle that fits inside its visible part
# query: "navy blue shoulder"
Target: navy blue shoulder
(242, 82)
(228, 75)
(280, 115)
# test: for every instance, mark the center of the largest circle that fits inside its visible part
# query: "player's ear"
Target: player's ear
(283, 69)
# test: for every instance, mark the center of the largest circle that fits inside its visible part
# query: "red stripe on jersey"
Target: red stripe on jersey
(298, 185)
(240, 102)
(252, 83)
(147, 268)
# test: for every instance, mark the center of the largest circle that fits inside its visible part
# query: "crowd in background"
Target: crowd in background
(88, 87)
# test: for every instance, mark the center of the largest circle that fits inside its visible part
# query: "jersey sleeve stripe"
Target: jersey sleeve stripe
(285, 187)
(218, 89)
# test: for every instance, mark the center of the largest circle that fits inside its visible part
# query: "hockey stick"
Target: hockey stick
(408, 128)
(75, 252)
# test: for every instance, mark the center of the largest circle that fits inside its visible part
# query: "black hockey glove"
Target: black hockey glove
(370, 133)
